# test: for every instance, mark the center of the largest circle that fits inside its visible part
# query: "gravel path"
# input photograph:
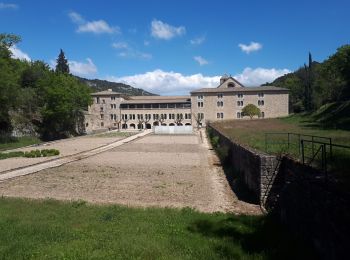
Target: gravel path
(156, 170)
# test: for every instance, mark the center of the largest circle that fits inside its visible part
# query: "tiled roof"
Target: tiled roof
(106, 93)
(156, 99)
(239, 89)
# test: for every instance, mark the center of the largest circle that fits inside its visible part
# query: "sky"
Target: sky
(172, 47)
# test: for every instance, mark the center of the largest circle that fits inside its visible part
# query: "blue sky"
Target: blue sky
(171, 47)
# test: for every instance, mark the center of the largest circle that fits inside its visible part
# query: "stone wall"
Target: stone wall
(255, 168)
(312, 205)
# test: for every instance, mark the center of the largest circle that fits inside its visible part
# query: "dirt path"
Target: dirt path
(47, 164)
(165, 171)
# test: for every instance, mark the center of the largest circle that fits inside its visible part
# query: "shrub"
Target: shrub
(30, 154)
(215, 141)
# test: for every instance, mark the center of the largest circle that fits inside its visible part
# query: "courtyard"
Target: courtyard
(155, 170)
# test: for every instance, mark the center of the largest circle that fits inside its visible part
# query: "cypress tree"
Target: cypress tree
(62, 63)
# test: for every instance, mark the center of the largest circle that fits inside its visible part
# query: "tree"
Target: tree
(6, 42)
(65, 102)
(198, 118)
(251, 111)
(62, 63)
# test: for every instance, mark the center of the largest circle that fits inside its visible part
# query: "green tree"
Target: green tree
(62, 63)
(9, 86)
(65, 102)
(251, 111)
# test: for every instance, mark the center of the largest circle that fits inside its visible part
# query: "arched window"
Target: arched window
(230, 85)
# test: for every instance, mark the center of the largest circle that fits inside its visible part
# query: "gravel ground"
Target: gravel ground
(156, 170)
(66, 147)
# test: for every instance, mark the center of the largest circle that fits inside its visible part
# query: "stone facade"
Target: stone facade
(113, 110)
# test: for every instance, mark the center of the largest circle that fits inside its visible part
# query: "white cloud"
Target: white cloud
(258, 76)
(166, 31)
(253, 46)
(8, 6)
(167, 83)
(97, 27)
(201, 61)
(197, 41)
(18, 54)
(120, 45)
(82, 69)
(172, 83)
(131, 53)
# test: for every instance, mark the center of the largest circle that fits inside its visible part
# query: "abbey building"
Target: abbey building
(112, 110)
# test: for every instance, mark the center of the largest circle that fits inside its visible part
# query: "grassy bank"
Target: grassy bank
(57, 230)
(252, 132)
(12, 143)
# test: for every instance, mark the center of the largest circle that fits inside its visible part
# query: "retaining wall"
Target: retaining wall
(316, 208)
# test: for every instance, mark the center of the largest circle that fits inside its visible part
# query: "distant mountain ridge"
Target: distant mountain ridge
(100, 85)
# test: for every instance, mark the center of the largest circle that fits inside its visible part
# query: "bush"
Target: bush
(215, 141)
(30, 154)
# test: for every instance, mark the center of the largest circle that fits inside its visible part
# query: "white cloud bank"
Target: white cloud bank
(258, 76)
(172, 83)
(201, 61)
(87, 68)
(165, 31)
(128, 52)
(248, 48)
(197, 41)
(96, 27)
(18, 54)
(8, 6)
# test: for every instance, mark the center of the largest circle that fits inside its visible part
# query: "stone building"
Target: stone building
(112, 110)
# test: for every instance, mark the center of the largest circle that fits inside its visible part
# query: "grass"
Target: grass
(13, 143)
(115, 134)
(252, 133)
(48, 229)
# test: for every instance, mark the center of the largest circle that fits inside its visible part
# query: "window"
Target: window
(101, 116)
(220, 95)
(98, 100)
(200, 116)
(240, 95)
(112, 98)
(240, 103)
(260, 95)
(219, 115)
(101, 108)
(200, 97)
(111, 117)
(262, 114)
(102, 124)
(200, 104)
(115, 117)
(171, 105)
(239, 115)
(261, 102)
(231, 85)
(103, 101)
(111, 106)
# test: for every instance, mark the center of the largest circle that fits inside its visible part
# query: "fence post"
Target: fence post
(302, 151)
(299, 138)
(288, 142)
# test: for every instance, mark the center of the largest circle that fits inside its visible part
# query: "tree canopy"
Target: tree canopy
(317, 83)
(36, 99)
(62, 65)
(251, 111)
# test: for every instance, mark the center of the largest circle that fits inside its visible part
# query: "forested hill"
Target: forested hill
(100, 85)
(316, 84)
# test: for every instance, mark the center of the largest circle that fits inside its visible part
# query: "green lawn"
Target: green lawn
(18, 142)
(252, 132)
(116, 134)
(33, 229)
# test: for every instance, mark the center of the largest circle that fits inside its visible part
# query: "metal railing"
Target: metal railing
(316, 151)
